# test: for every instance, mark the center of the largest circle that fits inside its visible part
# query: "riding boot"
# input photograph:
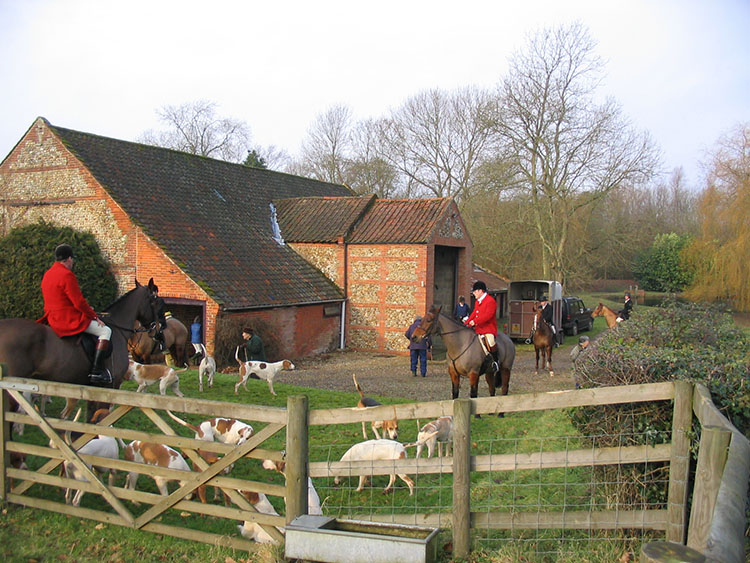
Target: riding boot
(99, 375)
(495, 360)
(159, 337)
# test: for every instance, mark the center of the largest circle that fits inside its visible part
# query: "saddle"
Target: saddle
(88, 343)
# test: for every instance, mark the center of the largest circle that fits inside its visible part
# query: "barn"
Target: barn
(311, 265)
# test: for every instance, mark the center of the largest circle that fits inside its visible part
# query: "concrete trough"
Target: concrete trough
(321, 538)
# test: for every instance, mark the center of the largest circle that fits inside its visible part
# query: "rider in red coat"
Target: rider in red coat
(483, 318)
(67, 312)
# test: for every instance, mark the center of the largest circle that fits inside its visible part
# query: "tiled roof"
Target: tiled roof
(495, 282)
(211, 217)
(407, 221)
(320, 219)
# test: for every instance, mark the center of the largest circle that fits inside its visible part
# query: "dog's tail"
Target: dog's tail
(187, 424)
(422, 441)
(180, 370)
(237, 355)
(361, 393)
(122, 444)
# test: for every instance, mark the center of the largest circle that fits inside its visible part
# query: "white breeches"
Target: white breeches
(103, 332)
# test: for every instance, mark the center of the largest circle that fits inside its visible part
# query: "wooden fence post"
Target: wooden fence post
(5, 435)
(712, 455)
(461, 478)
(679, 463)
(296, 457)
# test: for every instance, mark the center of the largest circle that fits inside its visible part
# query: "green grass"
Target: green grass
(29, 534)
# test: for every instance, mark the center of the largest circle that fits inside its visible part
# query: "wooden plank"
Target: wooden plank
(679, 462)
(67, 509)
(461, 478)
(709, 471)
(497, 462)
(5, 437)
(406, 411)
(571, 520)
(188, 405)
(575, 398)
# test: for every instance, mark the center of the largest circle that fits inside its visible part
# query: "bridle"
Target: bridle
(433, 329)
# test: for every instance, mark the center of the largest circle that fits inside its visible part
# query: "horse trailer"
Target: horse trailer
(523, 298)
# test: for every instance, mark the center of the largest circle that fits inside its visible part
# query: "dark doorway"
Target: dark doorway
(446, 267)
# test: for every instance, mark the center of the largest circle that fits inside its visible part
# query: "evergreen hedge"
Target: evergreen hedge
(27, 252)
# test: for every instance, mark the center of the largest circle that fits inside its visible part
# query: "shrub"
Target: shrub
(27, 252)
(677, 341)
(661, 268)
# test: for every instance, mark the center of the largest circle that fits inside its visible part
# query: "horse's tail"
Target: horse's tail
(178, 419)
(361, 393)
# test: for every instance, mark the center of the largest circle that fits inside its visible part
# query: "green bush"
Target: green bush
(661, 268)
(27, 252)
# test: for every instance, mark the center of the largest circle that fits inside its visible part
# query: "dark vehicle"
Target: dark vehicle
(575, 316)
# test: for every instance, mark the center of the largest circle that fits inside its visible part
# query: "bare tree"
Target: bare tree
(437, 141)
(367, 171)
(569, 151)
(327, 146)
(195, 128)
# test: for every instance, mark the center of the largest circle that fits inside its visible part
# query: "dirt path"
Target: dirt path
(390, 376)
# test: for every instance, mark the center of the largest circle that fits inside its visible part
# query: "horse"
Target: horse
(544, 342)
(145, 348)
(33, 350)
(609, 315)
(466, 357)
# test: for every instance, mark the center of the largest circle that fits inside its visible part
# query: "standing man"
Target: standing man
(67, 312)
(483, 320)
(254, 350)
(196, 339)
(624, 313)
(418, 350)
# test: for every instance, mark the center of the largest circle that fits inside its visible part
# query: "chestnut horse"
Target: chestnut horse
(609, 315)
(466, 357)
(33, 350)
(145, 349)
(544, 342)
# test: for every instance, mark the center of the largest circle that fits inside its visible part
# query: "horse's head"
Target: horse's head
(428, 326)
(599, 311)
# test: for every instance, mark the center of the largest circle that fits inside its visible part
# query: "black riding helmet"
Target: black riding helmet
(479, 285)
(63, 252)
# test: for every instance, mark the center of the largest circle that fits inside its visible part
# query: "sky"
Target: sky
(680, 69)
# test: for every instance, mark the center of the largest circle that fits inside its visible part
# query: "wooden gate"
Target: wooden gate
(37, 487)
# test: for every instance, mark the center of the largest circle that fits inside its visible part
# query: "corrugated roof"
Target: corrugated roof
(211, 217)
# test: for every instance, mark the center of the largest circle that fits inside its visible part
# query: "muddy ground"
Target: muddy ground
(390, 376)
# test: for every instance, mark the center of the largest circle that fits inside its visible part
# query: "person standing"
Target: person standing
(418, 350)
(196, 338)
(254, 350)
(462, 309)
(67, 312)
(624, 313)
(483, 319)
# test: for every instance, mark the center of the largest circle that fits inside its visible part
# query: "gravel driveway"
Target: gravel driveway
(390, 376)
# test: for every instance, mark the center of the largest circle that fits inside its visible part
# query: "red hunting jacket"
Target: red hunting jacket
(483, 316)
(65, 309)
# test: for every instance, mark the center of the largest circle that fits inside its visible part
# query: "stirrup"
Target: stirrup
(103, 379)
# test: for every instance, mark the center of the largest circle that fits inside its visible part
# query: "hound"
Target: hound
(262, 370)
(313, 500)
(207, 369)
(224, 430)
(388, 426)
(438, 431)
(101, 446)
(253, 530)
(146, 375)
(158, 455)
(373, 450)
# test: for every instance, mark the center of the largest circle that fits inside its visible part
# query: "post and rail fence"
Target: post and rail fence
(714, 525)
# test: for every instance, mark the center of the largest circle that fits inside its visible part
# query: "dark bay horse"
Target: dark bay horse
(466, 357)
(544, 342)
(609, 315)
(145, 348)
(33, 350)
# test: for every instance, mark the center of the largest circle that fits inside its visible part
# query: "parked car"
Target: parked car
(575, 316)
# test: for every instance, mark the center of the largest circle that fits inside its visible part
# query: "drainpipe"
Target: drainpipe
(342, 336)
